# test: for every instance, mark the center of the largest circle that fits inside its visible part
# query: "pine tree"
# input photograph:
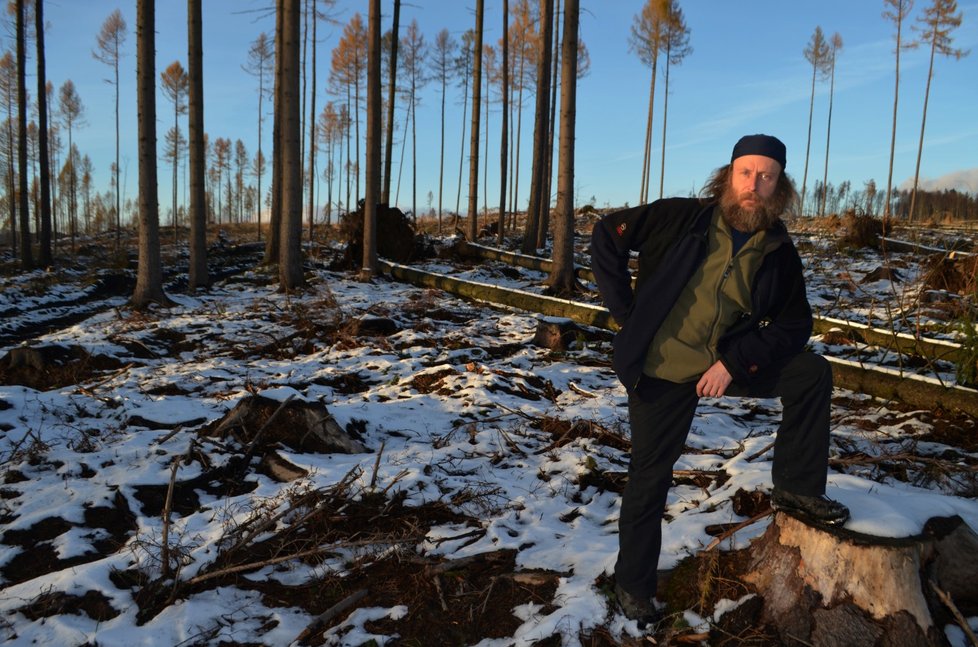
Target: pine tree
(935, 27)
(816, 53)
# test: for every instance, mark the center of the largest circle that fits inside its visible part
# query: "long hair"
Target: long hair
(785, 196)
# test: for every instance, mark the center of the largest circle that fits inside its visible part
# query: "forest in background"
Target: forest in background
(49, 198)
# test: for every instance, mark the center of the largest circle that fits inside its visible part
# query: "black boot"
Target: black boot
(820, 509)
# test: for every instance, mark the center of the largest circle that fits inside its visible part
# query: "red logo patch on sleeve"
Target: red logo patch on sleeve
(621, 229)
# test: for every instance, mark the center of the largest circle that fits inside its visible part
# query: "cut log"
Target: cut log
(558, 334)
(834, 587)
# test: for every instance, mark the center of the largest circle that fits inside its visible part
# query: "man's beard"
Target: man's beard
(762, 214)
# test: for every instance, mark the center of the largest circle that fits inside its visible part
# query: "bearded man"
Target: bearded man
(719, 308)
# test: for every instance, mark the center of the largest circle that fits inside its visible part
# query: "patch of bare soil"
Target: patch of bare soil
(93, 604)
(36, 555)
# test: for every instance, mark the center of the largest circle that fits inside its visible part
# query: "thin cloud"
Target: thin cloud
(965, 180)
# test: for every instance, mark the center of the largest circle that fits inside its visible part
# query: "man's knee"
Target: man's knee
(813, 370)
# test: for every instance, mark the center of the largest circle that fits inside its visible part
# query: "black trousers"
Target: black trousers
(660, 414)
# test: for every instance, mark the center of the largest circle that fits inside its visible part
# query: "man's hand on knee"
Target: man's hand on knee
(714, 382)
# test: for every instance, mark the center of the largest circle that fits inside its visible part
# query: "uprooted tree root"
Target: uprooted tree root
(397, 237)
(860, 231)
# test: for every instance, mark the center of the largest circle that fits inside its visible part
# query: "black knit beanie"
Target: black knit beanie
(765, 145)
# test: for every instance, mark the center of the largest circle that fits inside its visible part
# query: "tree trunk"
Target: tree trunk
(896, 97)
(290, 245)
(562, 281)
(539, 168)
(504, 128)
(808, 145)
(45, 256)
(665, 120)
(312, 130)
(834, 587)
(441, 153)
(198, 199)
(274, 242)
(828, 140)
(391, 90)
(473, 226)
(551, 127)
(923, 123)
(461, 156)
(647, 158)
(369, 267)
(26, 257)
(149, 275)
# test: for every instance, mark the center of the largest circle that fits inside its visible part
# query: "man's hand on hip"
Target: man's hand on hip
(714, 382)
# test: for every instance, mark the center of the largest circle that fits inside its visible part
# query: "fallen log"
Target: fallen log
(891, 384)
(583, 313)
(930, 349)
(827, 586)
(880, 382)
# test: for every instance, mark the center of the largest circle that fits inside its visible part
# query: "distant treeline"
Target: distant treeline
(949, 204)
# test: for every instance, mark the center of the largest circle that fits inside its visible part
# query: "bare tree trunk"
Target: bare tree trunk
(537, 179)
(274, 242)
(562, 279)
(195, 119)
(665, 119)
(290, 246)
(149, 275)
(45, 258)
(391, 89)
(504, 134)
(896, 97)
(643, 196)
(544, 227)
(312, 131)
(920, 146)
(473, 225)
(461, 157)
(26, 258)
(369, 267)
(441, 154)
(828, 140)
(808, 146)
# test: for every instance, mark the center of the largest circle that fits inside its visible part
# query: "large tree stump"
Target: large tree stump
(834, 587)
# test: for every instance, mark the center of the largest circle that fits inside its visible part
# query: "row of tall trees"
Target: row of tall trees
(562, 277)
(933, 27)
(659, 29)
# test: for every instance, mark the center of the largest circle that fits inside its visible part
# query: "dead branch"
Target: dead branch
(167, 507)
(330, 613)
(734, 530)
(580, 391)
(760, 453)
(441, 596)
(380, 452)
(231, 570)
(949, 603)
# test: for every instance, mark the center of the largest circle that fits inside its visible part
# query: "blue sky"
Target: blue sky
(746, 74)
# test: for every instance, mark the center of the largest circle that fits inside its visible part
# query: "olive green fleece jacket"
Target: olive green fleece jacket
(716, 296)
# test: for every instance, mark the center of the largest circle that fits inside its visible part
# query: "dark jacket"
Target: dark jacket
(671, 238)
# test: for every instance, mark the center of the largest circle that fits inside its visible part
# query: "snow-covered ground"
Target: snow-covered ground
(468, 439)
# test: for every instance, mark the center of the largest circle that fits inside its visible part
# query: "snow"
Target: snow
(472, 434)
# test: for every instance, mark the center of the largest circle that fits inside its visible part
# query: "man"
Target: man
(719, 308)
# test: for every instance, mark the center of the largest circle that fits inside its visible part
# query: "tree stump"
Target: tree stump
(830, 586)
